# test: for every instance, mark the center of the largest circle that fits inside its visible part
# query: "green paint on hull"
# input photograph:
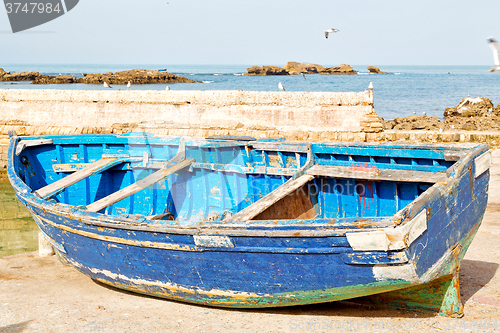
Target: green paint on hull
(243, 300)
(437, 296)
(441, 295)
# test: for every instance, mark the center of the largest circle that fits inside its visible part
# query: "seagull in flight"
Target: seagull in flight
(281, 86)
(496, 52)
(129, 85)
(106, 85)
(332, 30)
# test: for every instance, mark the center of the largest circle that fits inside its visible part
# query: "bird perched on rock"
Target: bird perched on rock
(496, 54)
(424, 113)
(129, 85)
(281, 86)
(106, 85)
(332, 30)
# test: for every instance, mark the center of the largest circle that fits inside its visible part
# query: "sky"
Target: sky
(260, 32)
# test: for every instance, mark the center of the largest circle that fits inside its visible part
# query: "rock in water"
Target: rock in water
(343, 69)
(61, 79)
(266, 70)
(135, 76)
(376, 70)
(24, 76)
(296, 68)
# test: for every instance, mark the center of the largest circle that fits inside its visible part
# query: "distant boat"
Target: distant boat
(162, 70)
(239, 222)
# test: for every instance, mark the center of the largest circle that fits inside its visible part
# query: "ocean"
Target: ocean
(409, 89)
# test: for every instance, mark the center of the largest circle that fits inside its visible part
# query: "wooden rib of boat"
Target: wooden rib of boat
(239, 222)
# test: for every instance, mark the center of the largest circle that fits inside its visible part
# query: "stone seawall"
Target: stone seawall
(259, 113)
(293, 115)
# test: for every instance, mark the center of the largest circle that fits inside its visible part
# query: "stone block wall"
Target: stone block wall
(293, 115)
(259, 113)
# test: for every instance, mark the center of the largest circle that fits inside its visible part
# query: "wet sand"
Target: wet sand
(42, 295)
(18, 230)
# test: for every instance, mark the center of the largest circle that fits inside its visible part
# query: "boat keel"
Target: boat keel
(441, 296)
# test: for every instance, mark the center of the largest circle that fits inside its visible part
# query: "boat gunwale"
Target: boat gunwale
(174, 140)
(454, 173)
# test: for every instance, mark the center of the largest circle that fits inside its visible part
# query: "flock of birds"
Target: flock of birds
(494, 45)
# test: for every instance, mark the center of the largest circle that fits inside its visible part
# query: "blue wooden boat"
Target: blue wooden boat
(239, 222)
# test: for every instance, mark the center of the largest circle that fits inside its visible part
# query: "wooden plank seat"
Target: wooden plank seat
(56, 187)
(268, 200)
(337, 171)
(137, 186)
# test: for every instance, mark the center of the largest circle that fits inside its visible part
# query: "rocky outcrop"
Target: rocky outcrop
(471, 107)
(474, 114)
(266, 70)
(61, 79)
(339, 70)
(35, 77)
(471, 114)
(24, 76)
(376, 70)
(296, 68)
(414, 123)
(135, 76)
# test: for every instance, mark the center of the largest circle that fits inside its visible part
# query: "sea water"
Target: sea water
(408, 90)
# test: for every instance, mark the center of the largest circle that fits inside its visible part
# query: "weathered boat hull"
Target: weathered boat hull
(411, 259)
